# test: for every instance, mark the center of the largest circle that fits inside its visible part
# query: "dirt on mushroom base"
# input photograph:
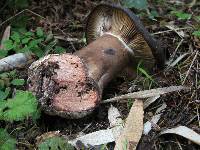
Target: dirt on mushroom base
(174, 113)
(62, 86)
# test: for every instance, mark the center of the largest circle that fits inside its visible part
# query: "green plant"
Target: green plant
(8, 80)
(129, 103)
(37, 42)
(23, 105)
(138, 4)
(196, 33)
(142, 71)
(181, 15)
(55, 143)
(6, 142)
(197, 18)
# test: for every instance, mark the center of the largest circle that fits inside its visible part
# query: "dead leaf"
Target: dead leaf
(115, 120)
(184, 132)
(95, 138)
(109, 135)
(6, 36)
(148, 125)
(133, 128)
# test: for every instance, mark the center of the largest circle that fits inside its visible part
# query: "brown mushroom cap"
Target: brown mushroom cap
(122, 23)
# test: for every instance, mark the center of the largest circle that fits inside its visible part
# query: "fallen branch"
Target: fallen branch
(15, 61)
(146, 93)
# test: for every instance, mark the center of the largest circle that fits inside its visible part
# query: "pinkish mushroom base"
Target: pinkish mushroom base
(62, 85)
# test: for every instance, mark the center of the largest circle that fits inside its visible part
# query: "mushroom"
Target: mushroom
(71, 85)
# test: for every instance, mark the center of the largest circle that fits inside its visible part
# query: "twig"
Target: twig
(174, 53)
(198, 116)
(146, 93)
(190, 67)
(170, 30)
(19, 13)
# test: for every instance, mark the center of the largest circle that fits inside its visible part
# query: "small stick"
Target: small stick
(170, 30)
(146, 93)
(190, 67)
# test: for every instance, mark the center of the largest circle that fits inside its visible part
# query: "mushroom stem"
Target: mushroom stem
(104, 58)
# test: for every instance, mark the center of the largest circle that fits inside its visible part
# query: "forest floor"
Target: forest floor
(67, 19)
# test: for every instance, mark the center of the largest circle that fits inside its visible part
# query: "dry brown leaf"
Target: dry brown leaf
(133, 128)
(6, 36)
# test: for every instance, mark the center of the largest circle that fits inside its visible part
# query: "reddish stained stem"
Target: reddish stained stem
(104, 59)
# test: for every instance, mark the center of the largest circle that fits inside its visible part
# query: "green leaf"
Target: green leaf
(2, 85)
(18, 82)
(16, 46)
(145, 73)
(8, 45)
(24, 49)
(29, 34)
(59, 49)
(23, 105)
(4, 75)
(142, 71)
(6, 142)
(138, 4)
(39, 32)
(16, 37)
(55, 143)
(153, 14)
(4, 94)
(34, 43)
(26, 40)
(12, 74)
(196, 33)
(181, 15)
(3, 53)
(38, 51)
